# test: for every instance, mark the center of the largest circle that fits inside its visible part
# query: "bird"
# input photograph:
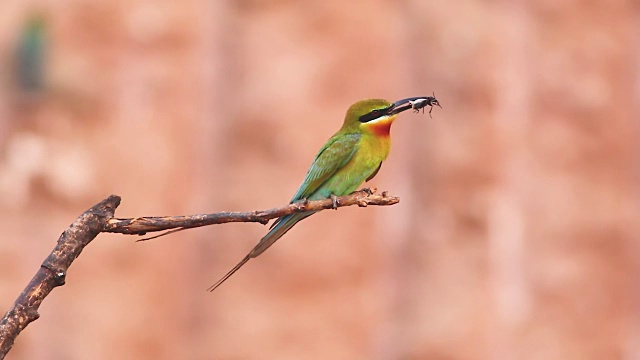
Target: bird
(31, 54)
(352, 156)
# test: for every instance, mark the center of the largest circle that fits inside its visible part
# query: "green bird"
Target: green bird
(31, 54)
(349, 158)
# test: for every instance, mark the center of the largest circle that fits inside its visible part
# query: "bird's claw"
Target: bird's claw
(368, 191)
(334, 199)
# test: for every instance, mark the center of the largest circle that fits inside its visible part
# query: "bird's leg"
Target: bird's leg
(335, 201)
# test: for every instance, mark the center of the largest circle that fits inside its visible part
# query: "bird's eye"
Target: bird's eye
(372, 115)
(378, 112)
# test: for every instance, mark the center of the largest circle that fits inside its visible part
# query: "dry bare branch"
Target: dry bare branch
(53, 270)
(143, 225)
(100, 218)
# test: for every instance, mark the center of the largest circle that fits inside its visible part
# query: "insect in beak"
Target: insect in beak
(416, 103)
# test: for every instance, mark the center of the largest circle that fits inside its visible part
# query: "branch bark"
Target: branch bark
(100, 218)
(143, 225)
(53, 270)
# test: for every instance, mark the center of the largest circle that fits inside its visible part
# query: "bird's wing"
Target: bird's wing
(374, 173)
(335, 154)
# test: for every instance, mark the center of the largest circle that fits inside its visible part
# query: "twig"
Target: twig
(143, 225)
(100, 218)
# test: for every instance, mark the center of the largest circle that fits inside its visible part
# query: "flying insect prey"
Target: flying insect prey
(349, 158)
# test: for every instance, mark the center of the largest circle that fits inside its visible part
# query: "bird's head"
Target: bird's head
(376, 115)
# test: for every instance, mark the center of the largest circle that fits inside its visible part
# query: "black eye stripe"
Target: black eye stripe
(374, 114)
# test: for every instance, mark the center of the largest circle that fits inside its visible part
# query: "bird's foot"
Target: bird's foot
(303, 203)
(334, 199)
(369, 191)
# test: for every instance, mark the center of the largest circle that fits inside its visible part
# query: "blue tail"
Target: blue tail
(279, 228)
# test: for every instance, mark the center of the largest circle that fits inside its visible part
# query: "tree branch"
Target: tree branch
(143, 225)
(100, 218)
(53, 270)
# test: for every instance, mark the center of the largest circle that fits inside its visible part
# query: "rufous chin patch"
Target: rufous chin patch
(380, 127)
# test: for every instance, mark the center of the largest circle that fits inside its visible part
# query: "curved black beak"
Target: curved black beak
(415, 103)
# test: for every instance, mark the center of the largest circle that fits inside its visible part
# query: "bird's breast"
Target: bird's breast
(373, 149)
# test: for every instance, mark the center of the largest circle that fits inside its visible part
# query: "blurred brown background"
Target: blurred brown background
(517, 233)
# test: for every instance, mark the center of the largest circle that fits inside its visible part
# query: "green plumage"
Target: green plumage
(351, 156)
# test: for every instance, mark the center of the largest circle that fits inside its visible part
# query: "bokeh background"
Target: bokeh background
(517, 234)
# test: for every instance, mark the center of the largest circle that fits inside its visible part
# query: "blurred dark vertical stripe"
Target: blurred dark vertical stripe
(31, 55)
